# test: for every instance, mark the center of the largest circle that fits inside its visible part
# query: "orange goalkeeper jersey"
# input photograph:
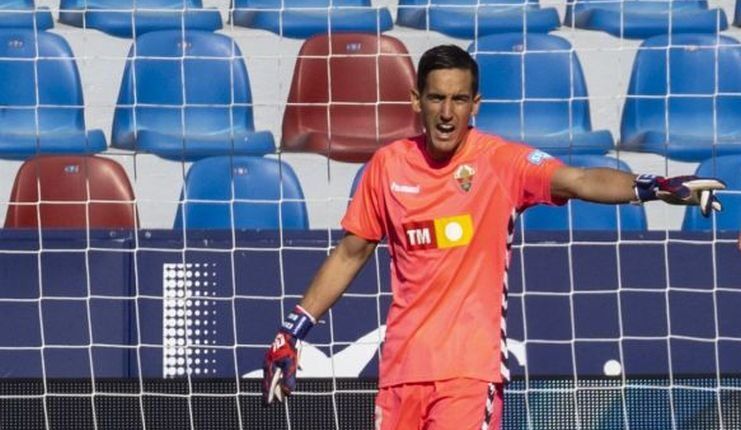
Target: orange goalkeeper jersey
(449, 228)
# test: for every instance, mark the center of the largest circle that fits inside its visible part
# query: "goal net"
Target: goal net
(141, 291)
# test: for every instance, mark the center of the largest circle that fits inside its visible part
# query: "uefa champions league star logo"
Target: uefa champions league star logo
(464, 176)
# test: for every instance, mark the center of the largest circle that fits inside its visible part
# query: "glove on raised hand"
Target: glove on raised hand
(680, 190)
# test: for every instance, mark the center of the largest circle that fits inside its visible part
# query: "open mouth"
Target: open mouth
(445, 130)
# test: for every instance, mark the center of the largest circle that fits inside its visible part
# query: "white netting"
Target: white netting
(165, 327)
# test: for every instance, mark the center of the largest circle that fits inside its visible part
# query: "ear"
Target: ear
(476, 104)
(416, 100)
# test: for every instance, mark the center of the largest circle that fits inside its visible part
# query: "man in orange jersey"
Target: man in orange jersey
(446, 202)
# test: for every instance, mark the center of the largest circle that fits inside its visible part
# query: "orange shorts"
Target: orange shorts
(454, 404)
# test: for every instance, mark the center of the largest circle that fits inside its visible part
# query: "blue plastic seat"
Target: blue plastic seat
(728, 169)
(737, 14)
(192, 99)
(639, 19)
(131, 18)
(24, 14)
(693, 113)
(585, 215)
(469, 19)
(305, 18)
(41, 103)
(261, 193)
(555, 114)
(356, 179)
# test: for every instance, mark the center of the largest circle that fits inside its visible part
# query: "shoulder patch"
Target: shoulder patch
(537, 157)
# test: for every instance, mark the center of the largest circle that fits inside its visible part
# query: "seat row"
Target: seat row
(187, 96)
(80, 192)
(466, 19)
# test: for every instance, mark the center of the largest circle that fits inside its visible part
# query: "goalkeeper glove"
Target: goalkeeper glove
(680, 190)
(281, 360)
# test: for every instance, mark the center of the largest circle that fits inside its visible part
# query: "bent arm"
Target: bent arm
(600, 185)
(336, 273)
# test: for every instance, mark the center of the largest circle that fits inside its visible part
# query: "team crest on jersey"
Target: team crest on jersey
(464, 176)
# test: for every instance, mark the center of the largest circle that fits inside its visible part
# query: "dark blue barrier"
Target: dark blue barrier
(657, 304)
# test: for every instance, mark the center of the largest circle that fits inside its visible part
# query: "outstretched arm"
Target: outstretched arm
(338, 270)
(600, 185)
(603, 185)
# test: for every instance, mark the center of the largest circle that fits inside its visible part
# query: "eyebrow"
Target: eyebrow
(455, 96)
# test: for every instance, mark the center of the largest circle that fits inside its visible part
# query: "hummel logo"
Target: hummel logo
(409, 189)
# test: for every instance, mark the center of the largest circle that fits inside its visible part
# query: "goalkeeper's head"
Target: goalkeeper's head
(446, 97)
(447, 57)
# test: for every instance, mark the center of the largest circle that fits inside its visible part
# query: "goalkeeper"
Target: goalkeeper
(446, 202)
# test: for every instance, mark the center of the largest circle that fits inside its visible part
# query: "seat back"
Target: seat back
(352, 86)
(649, 4)
(727, 168)
(130, 4)
(75, 192)
(696, 91)
(17, 5)
(585, 215)
(242, 192)
(407, 3)
(550, 98)
(195, 83)
(298, 4)
(356, 180)
(40, 86)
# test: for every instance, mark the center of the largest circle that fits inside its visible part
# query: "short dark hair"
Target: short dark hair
(446, 57)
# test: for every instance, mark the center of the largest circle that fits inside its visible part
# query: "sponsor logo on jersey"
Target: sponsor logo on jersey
(439, 233)
(537, 157)
(407, 189)
(464, 176)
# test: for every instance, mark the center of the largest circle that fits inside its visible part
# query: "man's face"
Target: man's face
(446, 104)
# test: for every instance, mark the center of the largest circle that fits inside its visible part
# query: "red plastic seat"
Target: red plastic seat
(93, 186)
(367, 104)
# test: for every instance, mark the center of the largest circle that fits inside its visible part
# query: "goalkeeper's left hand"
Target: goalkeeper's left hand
(680, 190)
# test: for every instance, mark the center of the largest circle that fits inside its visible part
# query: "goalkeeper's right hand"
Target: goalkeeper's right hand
(281, 360)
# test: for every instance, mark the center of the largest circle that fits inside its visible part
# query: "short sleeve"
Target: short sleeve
(365, 214)
(531, 175)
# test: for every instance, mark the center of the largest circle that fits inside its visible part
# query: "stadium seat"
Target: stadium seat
(356, 179)
(267, 193)
(697, 113)
(639, 19)
(132, 18)
(555, 115)
(727, 168)
(79, 180)
(470, 19)
(363, 106)
(585, 215)
(187, 97)
(737, 14)
(305, 18)
(24, 14)
(41, 103)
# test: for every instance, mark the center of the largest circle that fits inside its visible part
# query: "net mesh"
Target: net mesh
(165, 327)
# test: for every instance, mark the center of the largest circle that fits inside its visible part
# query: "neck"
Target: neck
(442, 157)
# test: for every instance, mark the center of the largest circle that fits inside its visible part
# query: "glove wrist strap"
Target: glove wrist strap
(645, 187)
(298, 323)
